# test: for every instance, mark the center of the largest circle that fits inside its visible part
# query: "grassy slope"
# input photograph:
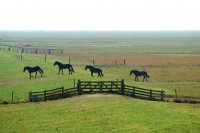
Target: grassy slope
(100, 114)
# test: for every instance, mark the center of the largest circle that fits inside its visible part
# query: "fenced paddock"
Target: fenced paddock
(91, 87)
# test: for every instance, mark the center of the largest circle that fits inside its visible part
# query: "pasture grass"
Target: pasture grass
(109, 113)
(167, 71)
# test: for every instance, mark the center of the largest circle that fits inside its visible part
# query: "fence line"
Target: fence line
(52, 94)
(90, 87)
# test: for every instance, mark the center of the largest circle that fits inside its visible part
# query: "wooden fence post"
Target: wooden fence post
(124, 61)
(45, 57)
(133, 91)
(21, 55)
(62, 90)
(111, 86)
(93, 61)
(44, 95)
(79, 87)
(101, 83)
(162, 95)
(30, 96)
(12, 96)
(150, 94)
(122, 86)
(74, 83)
(175, 93)
(69, 60)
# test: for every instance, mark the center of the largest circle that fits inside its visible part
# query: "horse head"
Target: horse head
(132, 71)
(86, 67)
(25, 69)
(55, 63)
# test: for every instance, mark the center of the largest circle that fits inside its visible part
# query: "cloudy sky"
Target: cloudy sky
(100, 15)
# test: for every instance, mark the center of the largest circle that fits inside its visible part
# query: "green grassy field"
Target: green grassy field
(170, 67)
(167, 71)
(107, 113)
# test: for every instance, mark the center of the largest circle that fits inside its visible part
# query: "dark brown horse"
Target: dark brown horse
(62, 66)
(33, 69)
(139, 73)
(94, 70)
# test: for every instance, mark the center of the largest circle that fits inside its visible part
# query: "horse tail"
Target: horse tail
(72, 68)
(40, 70)
(101, 73)
(147, 75)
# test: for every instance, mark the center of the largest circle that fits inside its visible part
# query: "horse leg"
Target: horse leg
(92, 74)
(30, 75)
(41, 73)
(35, 74)
(146, 79)
(99, 75)
(135, 78)
(143, 78)
(69, 71)
(59, 72)
(62, 72)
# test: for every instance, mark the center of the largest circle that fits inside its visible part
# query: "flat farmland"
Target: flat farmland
(170, 58)
(172, 61)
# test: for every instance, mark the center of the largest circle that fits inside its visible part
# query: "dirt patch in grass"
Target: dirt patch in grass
(97, 95)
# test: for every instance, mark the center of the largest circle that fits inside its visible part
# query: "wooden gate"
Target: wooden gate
(100, 87)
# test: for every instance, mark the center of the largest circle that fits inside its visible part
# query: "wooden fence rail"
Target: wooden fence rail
(144, 93)
(52, 94)
(89, 87)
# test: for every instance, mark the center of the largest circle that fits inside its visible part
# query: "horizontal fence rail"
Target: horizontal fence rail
(144, 93)
(52, 94)
(99, 86)
(90, 87)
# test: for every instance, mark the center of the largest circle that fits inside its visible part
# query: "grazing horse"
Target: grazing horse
(139, 73)
(33, 69)
(64, 66)
(94, 70)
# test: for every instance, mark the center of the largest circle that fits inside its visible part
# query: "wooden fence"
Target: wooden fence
(52, 94)
(99, 87)
(144, 93)
(90, 87)
(118, 87)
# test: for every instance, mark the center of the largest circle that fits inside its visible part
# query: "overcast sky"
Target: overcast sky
(99, 15)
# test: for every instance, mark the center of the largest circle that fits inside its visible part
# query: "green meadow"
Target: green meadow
(106, 113)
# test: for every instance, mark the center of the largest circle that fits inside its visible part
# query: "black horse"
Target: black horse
(64, 66)
(94, 70)
(33, 69)
(139, 73)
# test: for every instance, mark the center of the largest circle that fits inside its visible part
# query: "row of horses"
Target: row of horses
(70, 68)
